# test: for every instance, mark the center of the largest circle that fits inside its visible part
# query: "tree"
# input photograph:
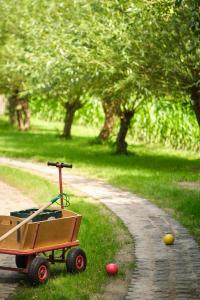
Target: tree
(172, 51)
(62, 57)
(44, 59)
(194, 32)
(15, 62)
(118, 51)
(116, 35)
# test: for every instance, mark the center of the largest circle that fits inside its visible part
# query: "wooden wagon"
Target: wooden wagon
(30, 241)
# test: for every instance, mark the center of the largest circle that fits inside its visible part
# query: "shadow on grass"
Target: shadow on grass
(80, 150)
(145, 171)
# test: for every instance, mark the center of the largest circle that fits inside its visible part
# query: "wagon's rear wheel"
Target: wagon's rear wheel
(38, 272)
(21, 261)
(76, 260)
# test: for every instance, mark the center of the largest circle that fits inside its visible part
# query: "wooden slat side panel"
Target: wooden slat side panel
(54, 232)
(68, 213)
(7, 223)
(77, 227)
(50, 232)
(29, 234)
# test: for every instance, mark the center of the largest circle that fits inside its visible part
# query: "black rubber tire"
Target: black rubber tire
(76, 260)
(39, 271)
(21, 261)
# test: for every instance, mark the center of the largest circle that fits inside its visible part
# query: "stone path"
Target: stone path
(10, 200)
(163, 272)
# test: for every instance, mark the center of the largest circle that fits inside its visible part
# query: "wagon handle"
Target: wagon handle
(37, 212)
(60, 166)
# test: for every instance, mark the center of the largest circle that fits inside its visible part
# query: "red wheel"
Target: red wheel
(42, 273)
(76, 260)
(79, 262)
(38, 272)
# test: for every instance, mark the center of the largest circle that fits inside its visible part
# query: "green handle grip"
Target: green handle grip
(57, 197)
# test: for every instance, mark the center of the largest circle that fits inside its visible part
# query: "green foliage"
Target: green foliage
(172, 50)
(49, 110)
(41, 53)
(117, 50)
(195, 15)
(91, 114)
(172, 124)
(103, 47)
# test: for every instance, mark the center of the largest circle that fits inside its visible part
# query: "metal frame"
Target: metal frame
(32, 254)
(39, 250)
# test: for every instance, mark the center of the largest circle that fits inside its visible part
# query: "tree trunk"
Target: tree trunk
(27, 115)
(12, 103)
(20, 120)
(125, 121)
(19, 111)
(195, 97)
(109, 108)
(71, 108)
(23, 114)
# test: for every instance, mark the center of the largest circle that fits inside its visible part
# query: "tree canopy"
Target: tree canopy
(119, 51)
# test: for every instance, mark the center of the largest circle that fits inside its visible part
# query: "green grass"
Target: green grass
(98, 236)
(149, 171)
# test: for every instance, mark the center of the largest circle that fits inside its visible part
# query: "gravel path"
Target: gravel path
(10, 200)
(163, 272)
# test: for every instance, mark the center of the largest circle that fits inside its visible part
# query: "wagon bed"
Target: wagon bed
(26, 238)
(40, 236)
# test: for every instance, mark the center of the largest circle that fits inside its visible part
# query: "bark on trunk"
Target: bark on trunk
(20, 120)
(27, 115)
(19, 111)
(23, 114)
(125, 121)
(109, 108)
(195, 97)
(12, 103)
(71, 108)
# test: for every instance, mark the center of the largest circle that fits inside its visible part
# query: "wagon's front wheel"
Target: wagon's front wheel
(38, 272)
(76, 260)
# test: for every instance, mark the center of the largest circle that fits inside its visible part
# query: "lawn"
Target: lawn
(149, 171)
(102, 235)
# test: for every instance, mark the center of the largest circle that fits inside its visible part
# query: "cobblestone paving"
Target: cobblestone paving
(163, 272)
(10, 200)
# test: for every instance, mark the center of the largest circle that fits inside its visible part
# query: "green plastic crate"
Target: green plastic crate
(45, 215)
